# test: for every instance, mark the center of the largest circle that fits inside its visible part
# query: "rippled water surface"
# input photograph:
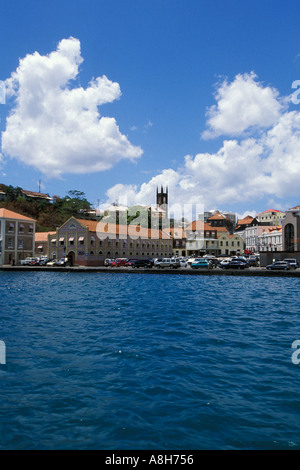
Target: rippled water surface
(120, 361)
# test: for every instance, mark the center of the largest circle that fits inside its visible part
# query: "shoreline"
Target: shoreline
(181, 271)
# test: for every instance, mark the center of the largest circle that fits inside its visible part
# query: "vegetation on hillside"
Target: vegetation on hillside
(49, 215)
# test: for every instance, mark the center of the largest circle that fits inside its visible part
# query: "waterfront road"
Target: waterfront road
(261, 271)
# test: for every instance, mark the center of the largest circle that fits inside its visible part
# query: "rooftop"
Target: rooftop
(6, 214)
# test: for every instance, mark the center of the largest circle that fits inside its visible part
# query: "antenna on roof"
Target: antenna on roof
(40, 186)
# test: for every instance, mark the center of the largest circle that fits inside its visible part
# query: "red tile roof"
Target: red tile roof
(43, 236)
(6, 214)
(218, 216)
(130, 230)
(270, 210)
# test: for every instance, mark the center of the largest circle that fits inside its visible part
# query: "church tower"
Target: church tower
(162, 199)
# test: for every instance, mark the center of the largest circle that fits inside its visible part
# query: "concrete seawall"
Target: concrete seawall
(182, 271)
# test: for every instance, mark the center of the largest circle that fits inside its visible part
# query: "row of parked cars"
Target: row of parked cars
(208, 262)
(44, 261)
(171, 263)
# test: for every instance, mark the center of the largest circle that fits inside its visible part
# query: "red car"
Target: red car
(119, 262)
(131, 262)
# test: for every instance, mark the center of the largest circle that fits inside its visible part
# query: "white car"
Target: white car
(62, 262)
(183, 263)
(171, 263)
(224, 262)
(52, 263)
(28, 261)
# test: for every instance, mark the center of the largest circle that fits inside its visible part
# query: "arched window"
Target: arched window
(289, 237)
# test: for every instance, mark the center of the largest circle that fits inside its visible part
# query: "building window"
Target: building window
(21, 245)
(10, 243)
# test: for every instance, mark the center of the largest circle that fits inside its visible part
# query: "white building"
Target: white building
(270, 239)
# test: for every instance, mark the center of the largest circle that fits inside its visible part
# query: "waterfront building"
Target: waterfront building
(41, 243)
(253, 237)
(230, 244)
(17, 236)
(270, 239)
(89, 243)
(202, 238)
(291, 230)
(179, 240)
(270, 217)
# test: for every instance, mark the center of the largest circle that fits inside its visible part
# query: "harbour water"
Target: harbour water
(115, 361)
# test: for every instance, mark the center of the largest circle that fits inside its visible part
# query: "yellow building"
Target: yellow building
(17, 234)
(230, 244)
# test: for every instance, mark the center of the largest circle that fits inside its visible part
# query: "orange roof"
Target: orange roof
(274, 228)
(6, 214)
(246, 220)
(200, 225)
(218, 216)
(220, 229)
(130, 230)
(43, 236)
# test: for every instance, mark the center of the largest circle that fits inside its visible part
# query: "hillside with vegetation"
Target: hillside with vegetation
(48, 214)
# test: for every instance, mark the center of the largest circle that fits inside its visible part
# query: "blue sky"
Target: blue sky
(197, 95)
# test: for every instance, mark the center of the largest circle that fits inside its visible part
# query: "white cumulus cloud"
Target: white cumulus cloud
(57, 128)
(241, 105)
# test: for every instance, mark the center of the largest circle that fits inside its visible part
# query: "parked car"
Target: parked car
(27, 261)
(130, 262)
(108, 262)
(142, 263)
(62, 262)
(183, 263)
(292, 262)
(253, 261)
(236, 264)
(52, 262)
(243, 259)
(279, 265)
(119, 262)
(170, 263)
(201, 263)
(224, 262)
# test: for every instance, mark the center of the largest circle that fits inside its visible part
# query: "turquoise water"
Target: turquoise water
(120, 361)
